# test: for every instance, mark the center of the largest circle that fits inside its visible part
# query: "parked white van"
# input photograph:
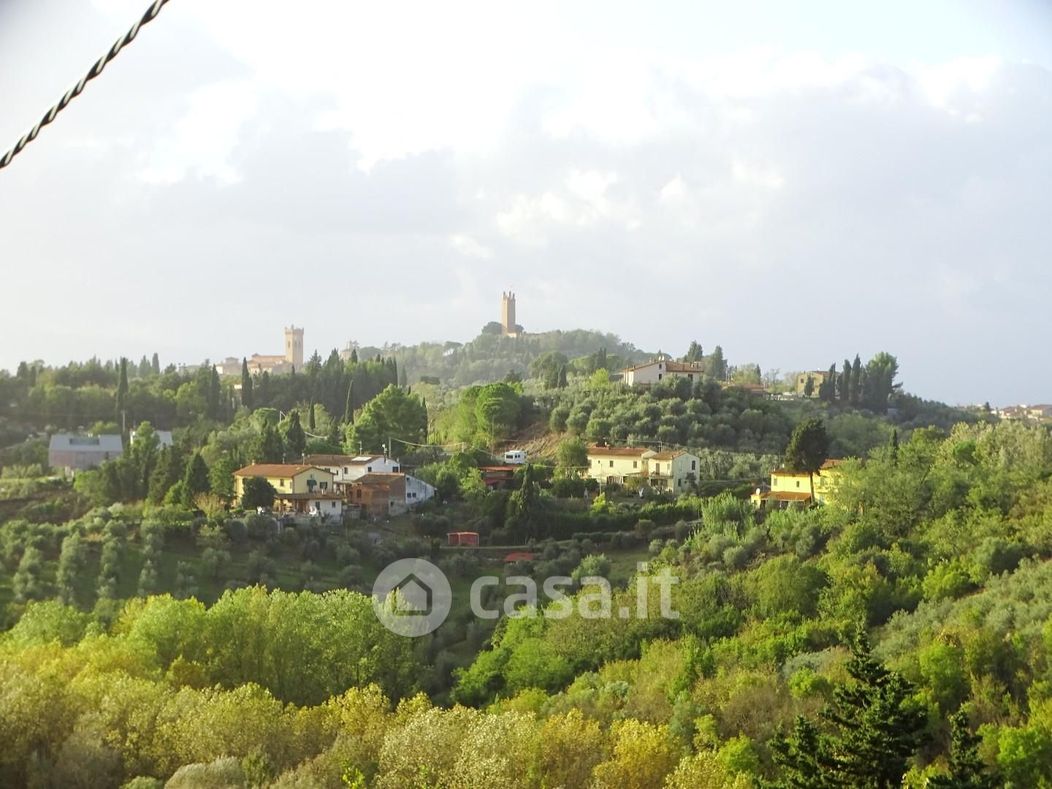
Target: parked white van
(515, 457)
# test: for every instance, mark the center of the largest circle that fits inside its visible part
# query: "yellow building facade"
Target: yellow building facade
(286, 478)
(794, 487)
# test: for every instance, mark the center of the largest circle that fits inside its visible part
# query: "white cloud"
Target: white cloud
(469, 247)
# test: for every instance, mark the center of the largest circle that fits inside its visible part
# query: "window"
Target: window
(798, 483)
(657, 468)
(394, 469)
(635, 464)
(345, 470)
(334, 505)
(369, 469)
(659, 376)
(611, 464)
(693, 465)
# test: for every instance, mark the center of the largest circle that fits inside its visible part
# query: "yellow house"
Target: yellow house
(300, 488)
(672, 470)
(794, 487)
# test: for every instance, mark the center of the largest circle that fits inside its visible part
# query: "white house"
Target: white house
(164, 438)
(349, 468)
(674, 470)
(660, 370)
(71, 452)
(417, 491)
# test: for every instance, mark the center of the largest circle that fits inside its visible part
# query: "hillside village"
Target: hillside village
(265, 495)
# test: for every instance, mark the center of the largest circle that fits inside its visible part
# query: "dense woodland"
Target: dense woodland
(157, 632)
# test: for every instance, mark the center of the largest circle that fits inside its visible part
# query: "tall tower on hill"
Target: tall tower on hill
(507, 314)
(294, 347)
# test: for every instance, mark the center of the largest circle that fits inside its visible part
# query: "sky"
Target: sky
(797, 182)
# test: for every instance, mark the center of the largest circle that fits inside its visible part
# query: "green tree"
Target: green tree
(27, 583)
(167, 471)
(808, 449)
(875, 726)
(880, 385)
(269, 447)
(121, 397)
(967, 770)
(392, 414)
(246, 385)
(221, 477)
(295, 438)
(257, 492)
(856, 384)
(572, 456)
(195, 479)
(71, 562)
(716, 364)
(694, 352)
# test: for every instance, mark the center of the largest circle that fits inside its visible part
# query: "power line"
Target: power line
(77, 89)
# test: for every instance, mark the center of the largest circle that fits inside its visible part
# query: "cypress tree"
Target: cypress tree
(269, 448)
(311, 423)
(855, 388)
(213, 393)
(155, 363)
(295, 438)
(246, 385)
(122, 395)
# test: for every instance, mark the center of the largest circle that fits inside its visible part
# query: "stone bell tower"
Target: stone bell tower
(507, 314)
(294, 347)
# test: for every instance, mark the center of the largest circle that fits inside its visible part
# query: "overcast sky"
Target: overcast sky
(797, 182)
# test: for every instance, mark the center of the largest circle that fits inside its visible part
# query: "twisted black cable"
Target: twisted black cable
(77, 89)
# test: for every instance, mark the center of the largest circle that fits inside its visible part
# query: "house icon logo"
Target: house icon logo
(412, 597)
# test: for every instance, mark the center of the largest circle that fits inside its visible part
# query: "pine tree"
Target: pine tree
(808, 449)
(879, 725)
(246, 385)
(562, 377)
(875, 726)
(967, 770)
(195, 479)
(354, 356)
(800, 758)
